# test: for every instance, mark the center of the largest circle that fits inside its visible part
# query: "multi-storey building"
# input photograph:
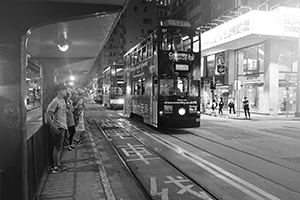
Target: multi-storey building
(250, 48)
(140, 18)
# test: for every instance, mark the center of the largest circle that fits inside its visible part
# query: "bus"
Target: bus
(113, 87)
(162, 77)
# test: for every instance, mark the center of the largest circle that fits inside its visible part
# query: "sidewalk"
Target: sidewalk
(30, 106)
(85, 179)
(254, 116)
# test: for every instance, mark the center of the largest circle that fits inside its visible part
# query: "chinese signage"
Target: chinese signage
(284, 22)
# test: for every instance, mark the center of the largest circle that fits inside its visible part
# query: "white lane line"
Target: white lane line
(231, 179)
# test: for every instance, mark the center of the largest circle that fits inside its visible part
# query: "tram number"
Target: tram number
(179, 23)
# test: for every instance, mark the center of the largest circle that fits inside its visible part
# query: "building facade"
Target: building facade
(139, 19)
(250, 48)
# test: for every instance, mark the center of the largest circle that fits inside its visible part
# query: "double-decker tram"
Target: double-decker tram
(113, 87)
(162, 77)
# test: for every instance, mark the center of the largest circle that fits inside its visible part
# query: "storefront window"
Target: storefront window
(288, 65)
(288, 56)
(250, 72)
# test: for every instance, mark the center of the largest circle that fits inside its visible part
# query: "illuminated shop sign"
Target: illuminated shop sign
(173, 22)
(220, 63)
(174, 56)
(229, 31)
(284, 22)
(291, 19)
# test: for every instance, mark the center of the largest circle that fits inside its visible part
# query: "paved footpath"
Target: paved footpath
(82, 181)
(255, 116)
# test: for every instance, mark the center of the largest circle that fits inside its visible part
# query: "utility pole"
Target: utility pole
(297, 113)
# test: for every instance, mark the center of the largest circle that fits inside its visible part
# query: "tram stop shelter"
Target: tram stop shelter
(31, 27)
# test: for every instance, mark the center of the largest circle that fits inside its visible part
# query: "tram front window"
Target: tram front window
(182, 86)
(178, 87)
(181, 42)
(166, 87)
(194, 89)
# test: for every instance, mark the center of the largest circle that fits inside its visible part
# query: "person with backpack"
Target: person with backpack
(57, 119)
(221, 105)
(70, 120)
(78, 112)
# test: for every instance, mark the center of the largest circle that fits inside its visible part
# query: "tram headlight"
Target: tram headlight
(161, 113)
(182, 111)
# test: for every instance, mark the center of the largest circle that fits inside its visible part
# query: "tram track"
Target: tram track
(176, 136)
(145, 190)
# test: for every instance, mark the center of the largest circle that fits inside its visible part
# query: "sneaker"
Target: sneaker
(71, 147)
(78, 142)
(56, 170)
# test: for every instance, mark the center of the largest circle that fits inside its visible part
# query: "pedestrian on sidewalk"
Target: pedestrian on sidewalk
(231, 105)
(221, 105)
(70, 120)
(213, 107)
(79, 117)
(57, 119)
(246, 107)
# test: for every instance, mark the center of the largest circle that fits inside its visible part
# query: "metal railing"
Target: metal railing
(3, 187)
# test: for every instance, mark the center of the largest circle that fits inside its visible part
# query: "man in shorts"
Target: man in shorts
(56, 117)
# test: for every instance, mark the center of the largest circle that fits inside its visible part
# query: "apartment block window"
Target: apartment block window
(145, 9)
(147, 21)
(135, 8)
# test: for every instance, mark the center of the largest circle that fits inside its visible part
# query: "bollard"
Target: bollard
(3, 189)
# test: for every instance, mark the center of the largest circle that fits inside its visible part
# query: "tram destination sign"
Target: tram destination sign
(177, 57)
(182, 67)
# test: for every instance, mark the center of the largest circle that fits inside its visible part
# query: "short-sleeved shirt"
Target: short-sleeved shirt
(58, 106)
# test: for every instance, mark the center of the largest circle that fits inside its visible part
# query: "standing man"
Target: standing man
(231, 105)
(56, 117)
(246, 107)
(221, 105)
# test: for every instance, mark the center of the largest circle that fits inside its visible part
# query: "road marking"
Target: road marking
(224, 175)
(132, 150)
